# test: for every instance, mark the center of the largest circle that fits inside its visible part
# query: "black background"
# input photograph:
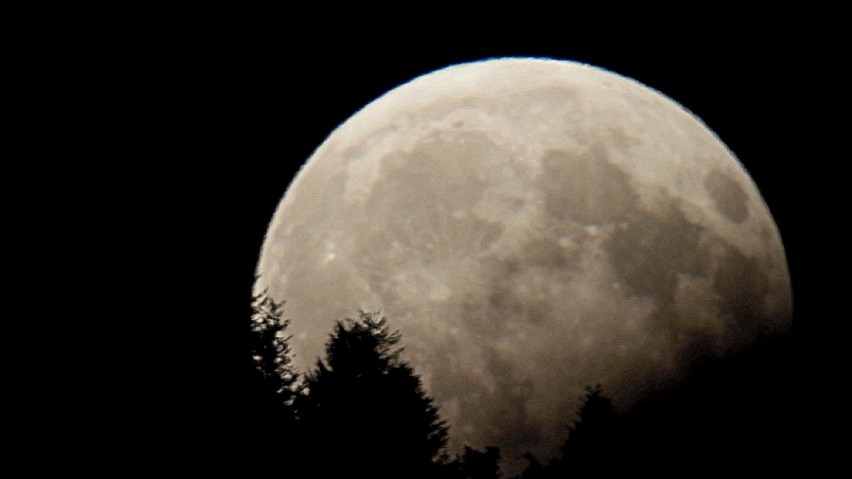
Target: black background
(211, 111)
(290, 100)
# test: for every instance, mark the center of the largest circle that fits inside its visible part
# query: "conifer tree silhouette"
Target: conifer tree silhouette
(591, 442)
(534, 469)
(364, 412)
(476, 464)
(274, 428)
(271, 349)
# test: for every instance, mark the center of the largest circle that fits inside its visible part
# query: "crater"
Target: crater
(728, 197)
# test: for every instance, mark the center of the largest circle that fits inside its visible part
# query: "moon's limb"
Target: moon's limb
(531, 227)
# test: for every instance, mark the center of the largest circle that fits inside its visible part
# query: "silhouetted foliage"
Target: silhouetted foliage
(590, 443)
(271, 350)
(534, 469)
(476, 464)
(272, 428)
(591, 447)
(591, 431)
(364, 411)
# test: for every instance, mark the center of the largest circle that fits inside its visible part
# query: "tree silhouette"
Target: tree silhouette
(364, 411)
(534, 469)
(591, 443)
(273, 435)
(592, 447)
(476, 464)
(270, 348)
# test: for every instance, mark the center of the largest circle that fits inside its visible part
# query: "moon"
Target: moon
(531, 227)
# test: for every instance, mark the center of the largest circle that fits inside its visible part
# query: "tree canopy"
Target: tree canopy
(364, 410)
(270, 347)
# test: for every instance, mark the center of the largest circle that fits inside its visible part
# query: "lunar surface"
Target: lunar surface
(531, 227)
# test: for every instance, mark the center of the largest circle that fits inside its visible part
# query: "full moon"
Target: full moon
(531, 227)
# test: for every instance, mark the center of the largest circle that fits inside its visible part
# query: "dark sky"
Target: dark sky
(238, 100)
(278, 95)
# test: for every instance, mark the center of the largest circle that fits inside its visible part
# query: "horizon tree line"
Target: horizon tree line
(362, 411)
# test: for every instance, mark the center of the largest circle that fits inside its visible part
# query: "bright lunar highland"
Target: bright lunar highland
(531, 227)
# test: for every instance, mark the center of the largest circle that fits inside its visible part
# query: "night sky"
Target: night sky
(240, 100)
